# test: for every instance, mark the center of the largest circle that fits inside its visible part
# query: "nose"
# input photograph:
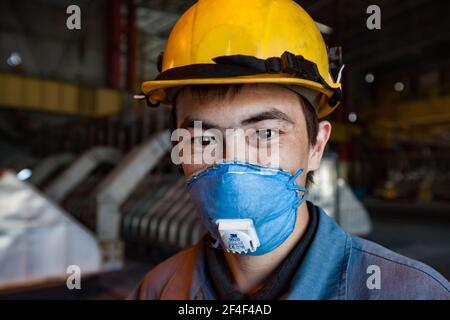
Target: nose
(236, 147)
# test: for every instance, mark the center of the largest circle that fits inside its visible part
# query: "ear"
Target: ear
(316, 152)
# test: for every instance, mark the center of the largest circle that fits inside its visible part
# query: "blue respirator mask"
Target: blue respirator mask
(250, 208)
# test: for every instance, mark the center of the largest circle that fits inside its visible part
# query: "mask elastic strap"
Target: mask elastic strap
(293, 186)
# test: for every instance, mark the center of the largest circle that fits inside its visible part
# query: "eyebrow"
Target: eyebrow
(188, 122)
(273, 114)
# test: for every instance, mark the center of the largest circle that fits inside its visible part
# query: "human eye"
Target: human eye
(203, 141)
(266, 134)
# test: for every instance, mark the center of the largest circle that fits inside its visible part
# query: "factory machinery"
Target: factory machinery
(130, 206)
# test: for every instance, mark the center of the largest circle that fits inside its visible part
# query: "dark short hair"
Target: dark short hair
(203, 92)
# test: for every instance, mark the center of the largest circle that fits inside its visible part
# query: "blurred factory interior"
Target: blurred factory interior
(85, 170)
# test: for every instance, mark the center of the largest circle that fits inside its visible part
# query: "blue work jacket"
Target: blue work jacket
(336, 266)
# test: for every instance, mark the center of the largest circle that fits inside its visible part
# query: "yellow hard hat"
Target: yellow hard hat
(236, 41)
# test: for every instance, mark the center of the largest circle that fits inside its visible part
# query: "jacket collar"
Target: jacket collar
(322, 273)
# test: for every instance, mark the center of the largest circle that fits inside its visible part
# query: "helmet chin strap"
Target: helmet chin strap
(339, 77)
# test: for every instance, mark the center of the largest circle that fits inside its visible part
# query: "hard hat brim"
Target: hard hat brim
(155, 90)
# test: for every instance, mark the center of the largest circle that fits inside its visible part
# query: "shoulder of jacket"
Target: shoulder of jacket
(156, 279)
(400, 275)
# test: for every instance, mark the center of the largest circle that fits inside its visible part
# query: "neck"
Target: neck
(251, 272)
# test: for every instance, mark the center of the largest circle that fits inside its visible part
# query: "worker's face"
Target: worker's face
(270, 122)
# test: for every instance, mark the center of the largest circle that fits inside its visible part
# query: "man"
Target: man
(261, 67)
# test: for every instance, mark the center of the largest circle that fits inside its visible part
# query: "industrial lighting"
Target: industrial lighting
(399, 86)
(352, 117)
(370, 78)
(24, 174)
(14, 59)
